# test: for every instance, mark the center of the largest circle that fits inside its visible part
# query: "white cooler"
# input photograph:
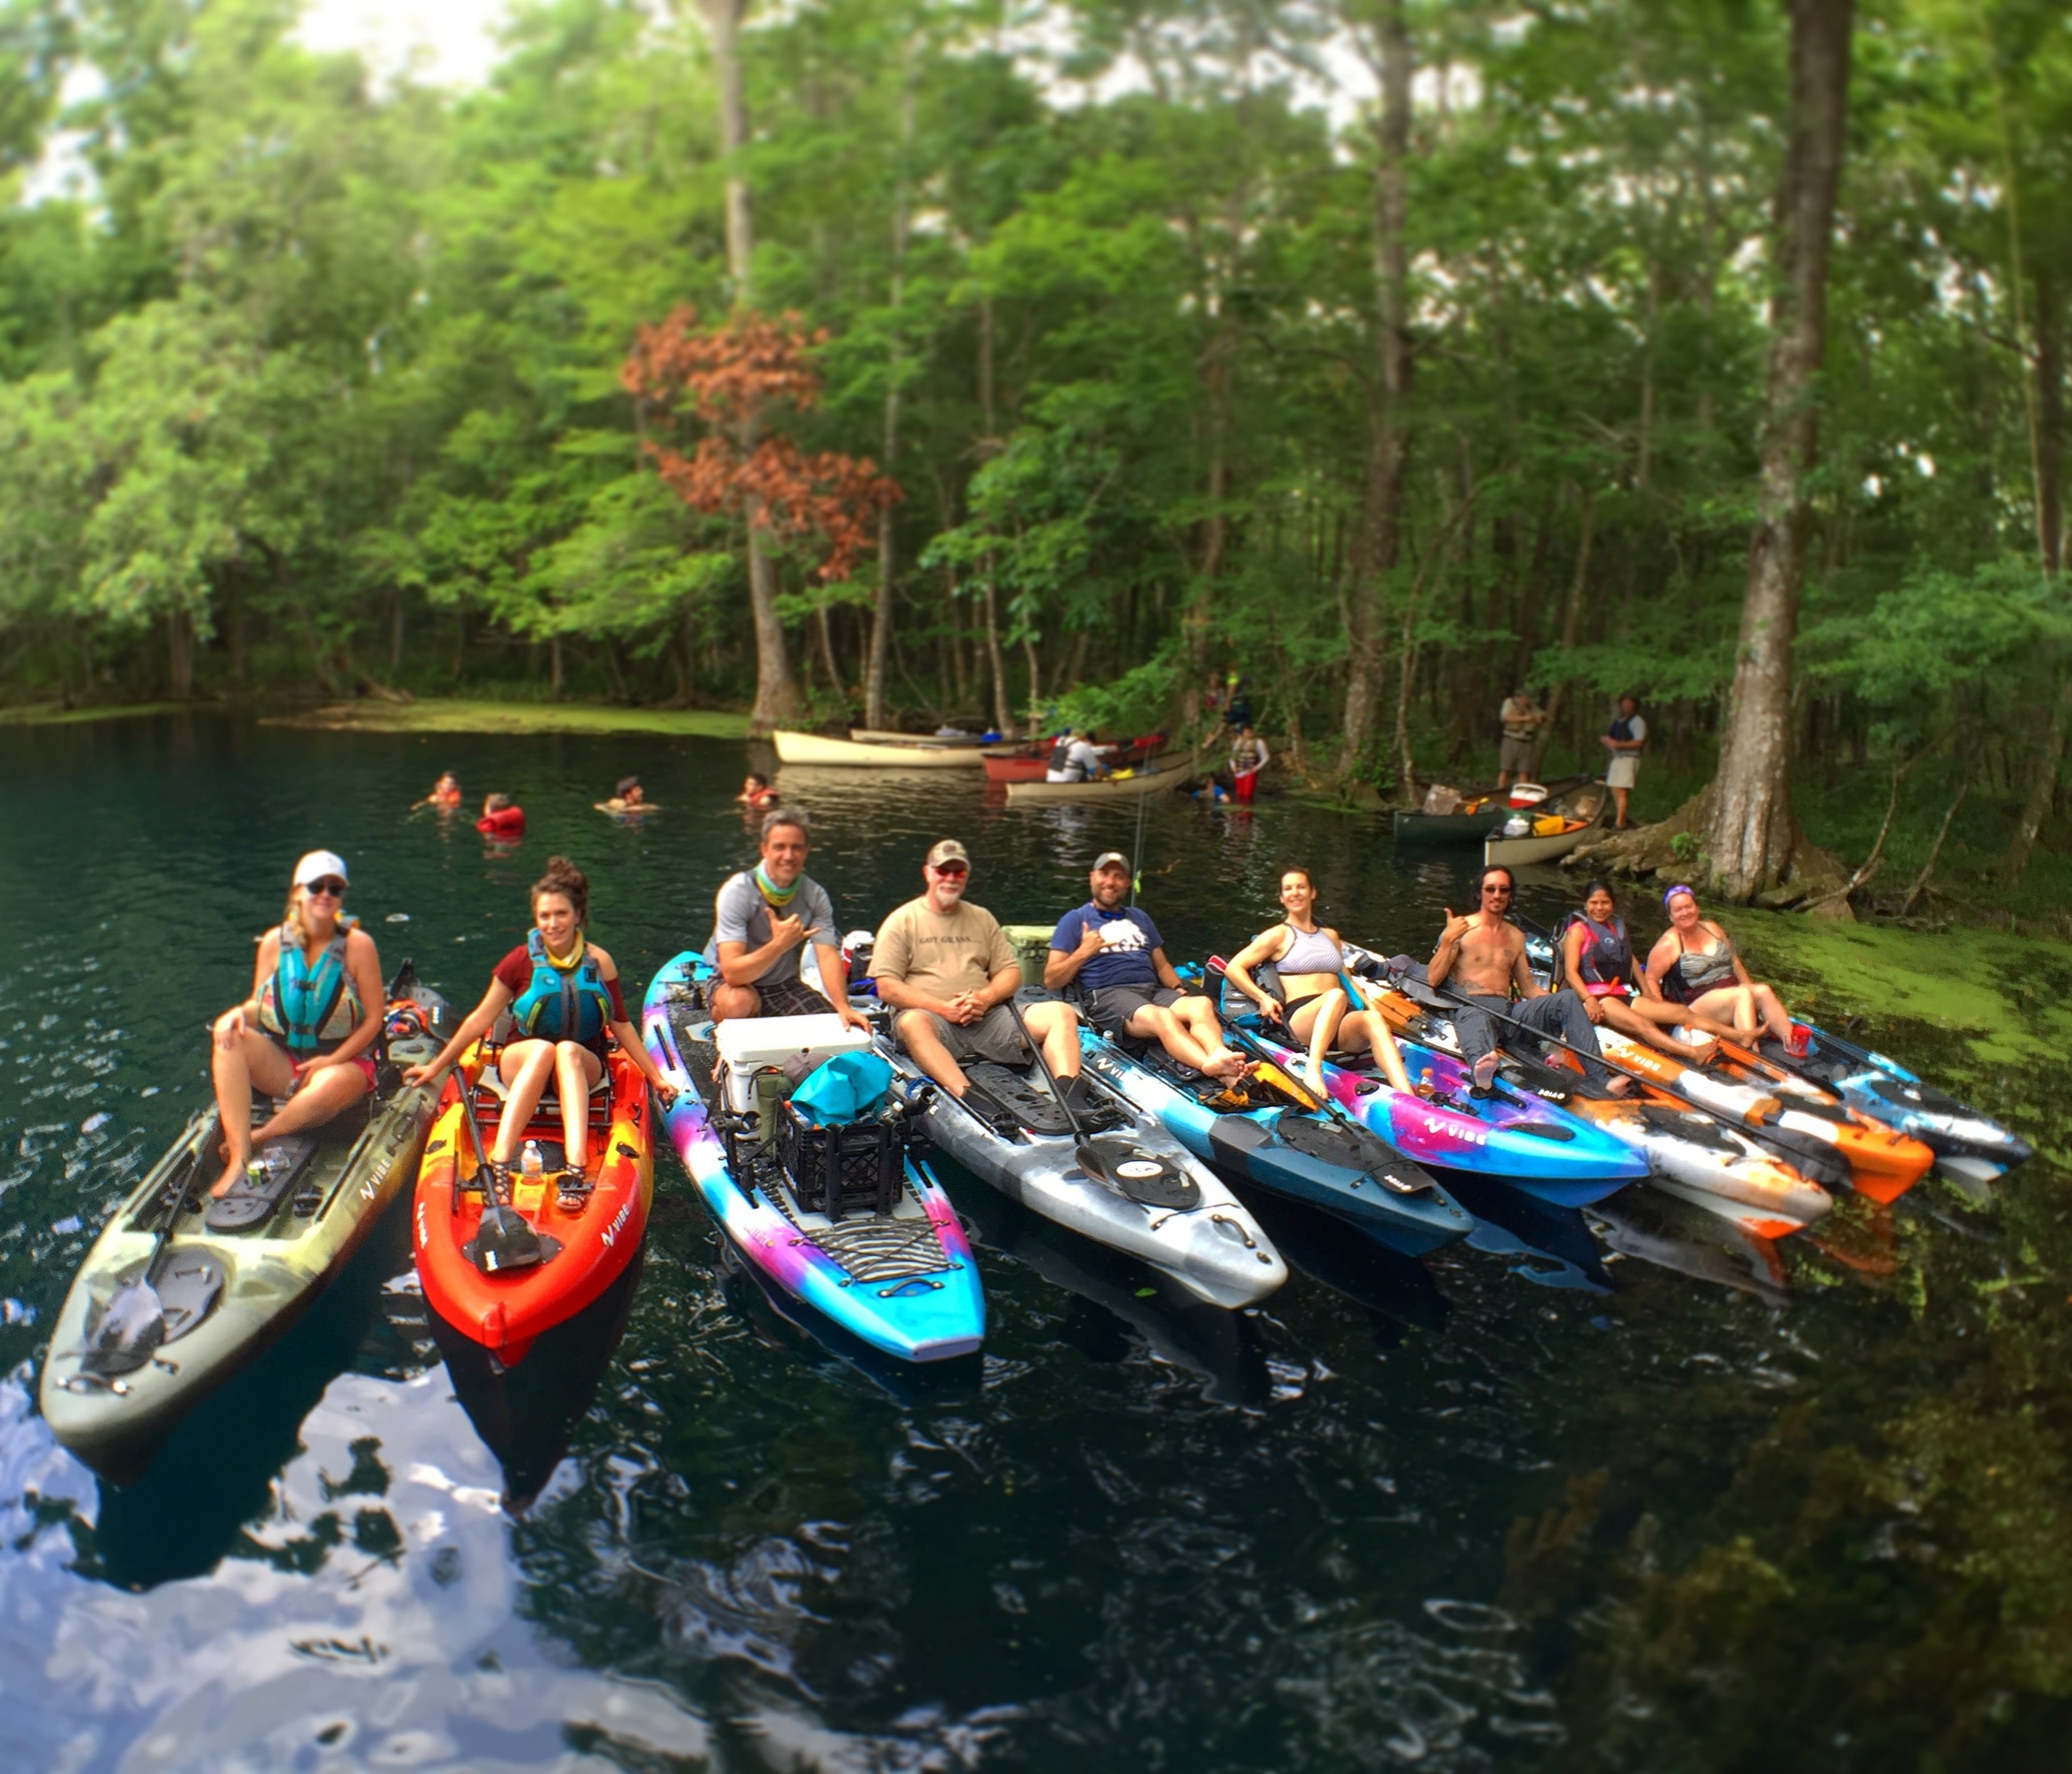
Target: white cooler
(748, 1044)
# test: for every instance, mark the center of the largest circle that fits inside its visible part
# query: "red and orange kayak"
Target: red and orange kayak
(591, 1233)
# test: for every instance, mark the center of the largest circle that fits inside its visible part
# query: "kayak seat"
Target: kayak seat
(254, 1198)
(550, 1099)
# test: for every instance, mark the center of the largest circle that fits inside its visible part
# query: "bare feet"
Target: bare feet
(1486, 1071)
(1619, 1086)
(1228, 1069)
(232, 1172)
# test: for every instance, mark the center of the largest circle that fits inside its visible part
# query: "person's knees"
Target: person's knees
(734, 1001)
(909, 1024)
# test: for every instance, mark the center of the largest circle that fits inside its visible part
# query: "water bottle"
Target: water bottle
(529, 1194)
(1517, 825)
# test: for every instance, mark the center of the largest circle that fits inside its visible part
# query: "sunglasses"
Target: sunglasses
(1496, 886)
(953, 871)
(330, 886)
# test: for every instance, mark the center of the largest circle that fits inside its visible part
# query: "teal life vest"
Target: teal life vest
(562, 1004)
(310, 1009)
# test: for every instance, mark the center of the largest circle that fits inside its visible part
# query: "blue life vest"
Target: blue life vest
(562, 1005)
(310, 1009)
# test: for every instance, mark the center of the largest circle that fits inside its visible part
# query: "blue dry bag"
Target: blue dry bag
(843, 1088)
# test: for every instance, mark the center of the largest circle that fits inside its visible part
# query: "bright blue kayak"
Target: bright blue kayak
(899, 1275)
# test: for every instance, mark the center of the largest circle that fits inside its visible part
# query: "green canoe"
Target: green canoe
(226, 1295)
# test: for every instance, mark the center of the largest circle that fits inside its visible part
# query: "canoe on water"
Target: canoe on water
(224, 1292)
(1028, 762)
(1553, 834)
(875, 735)
(588, 1226)
(1471, 822)
(1126, 787)
(905, 755)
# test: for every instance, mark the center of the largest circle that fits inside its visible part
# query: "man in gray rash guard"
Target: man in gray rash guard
(763, 920)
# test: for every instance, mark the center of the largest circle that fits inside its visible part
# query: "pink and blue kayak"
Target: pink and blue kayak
(1510, 1136)
(899, 1275)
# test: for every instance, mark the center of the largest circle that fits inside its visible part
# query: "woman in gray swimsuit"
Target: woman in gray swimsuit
(1695, 963)
(1309, 960)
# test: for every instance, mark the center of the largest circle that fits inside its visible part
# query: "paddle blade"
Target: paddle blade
(504, 1243)
(128, 1332)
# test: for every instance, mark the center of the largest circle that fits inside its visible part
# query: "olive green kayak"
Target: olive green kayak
(127, 1361)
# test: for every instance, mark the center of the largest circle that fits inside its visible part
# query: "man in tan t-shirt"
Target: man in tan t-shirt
(949, 970)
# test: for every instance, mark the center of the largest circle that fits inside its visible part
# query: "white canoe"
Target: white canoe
(816, 748)
(1101, 788)
(1585, 810)
(873, 735)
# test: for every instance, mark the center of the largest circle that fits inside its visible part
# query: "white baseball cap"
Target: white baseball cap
(317, 865)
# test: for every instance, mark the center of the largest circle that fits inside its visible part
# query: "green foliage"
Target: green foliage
(321, 373)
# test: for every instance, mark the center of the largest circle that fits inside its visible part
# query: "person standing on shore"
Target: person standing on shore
(1624, 739)
(1523, 719)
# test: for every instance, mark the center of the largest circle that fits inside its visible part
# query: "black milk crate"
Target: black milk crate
(854, 1169)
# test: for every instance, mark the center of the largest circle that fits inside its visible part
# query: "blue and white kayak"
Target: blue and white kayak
(1965, 1142)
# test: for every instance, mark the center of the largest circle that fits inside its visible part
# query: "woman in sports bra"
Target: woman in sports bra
(1597, 963)
(1695, 963)
(1309, 959)
(307, 1031)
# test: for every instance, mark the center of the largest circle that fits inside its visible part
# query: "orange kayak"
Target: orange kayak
(589, 1234)
(1883, 1164)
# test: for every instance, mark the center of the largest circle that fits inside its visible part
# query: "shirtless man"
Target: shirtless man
(1484, 954)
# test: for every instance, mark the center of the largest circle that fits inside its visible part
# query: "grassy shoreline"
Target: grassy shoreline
(431, 714)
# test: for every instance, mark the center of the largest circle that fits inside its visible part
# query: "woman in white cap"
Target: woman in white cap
(307, 1030)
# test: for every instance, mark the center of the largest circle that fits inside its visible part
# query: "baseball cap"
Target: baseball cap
(1108, 858)
(317, 865)
(949, 850)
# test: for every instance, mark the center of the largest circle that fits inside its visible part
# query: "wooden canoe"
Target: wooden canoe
(1126, 787)
(818, 749)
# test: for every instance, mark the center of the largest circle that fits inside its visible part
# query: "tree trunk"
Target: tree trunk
(987, 444)
(2050, 421)
(396, 635)
(776, 696)
(881, 614)
(179, 654)
(2042, 784)
(1572, 615)
(1753, 832)
(1388, 425)
(557, 675)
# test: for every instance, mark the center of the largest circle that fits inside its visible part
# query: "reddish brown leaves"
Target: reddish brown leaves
(729, 379)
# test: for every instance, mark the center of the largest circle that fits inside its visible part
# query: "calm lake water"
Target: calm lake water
(1340, 1531)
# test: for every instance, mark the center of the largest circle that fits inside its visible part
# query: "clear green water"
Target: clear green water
(1535, 1503)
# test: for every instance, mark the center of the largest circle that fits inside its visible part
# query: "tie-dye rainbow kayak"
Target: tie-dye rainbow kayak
(1510, 1135)
(900, 1277)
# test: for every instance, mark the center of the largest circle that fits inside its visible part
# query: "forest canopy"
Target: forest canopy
(1392, 354)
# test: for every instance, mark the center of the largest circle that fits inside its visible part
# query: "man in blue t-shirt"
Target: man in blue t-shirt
(1116, 954)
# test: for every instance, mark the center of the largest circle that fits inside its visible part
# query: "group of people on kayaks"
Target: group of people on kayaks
(949, 973)
(304, 1034)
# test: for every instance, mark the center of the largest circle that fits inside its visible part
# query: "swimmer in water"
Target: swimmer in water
(627, 801)
(756, 794)
(446, 792)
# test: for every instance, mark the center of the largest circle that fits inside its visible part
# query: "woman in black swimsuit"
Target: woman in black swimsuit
(1695, 963)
